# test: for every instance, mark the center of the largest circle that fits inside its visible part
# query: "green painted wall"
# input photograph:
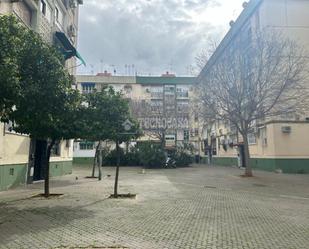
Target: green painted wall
(204, 159)
(60, 168)
(83, 161)
(293, 166)
(14, 175)
(224, 161)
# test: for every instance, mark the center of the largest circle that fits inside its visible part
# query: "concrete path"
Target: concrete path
(197, 207)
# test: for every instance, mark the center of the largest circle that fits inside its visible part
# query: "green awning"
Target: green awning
(68, 50)
(80, 58)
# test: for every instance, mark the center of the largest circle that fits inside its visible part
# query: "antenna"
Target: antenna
(101, 66)
(126, 69)
(92, 71)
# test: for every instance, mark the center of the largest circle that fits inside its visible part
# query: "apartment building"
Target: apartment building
(278, 143)
(161, 104)
(57, 22)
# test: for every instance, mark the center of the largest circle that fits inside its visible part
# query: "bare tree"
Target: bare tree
(150, 114)
(254, 79)
(203, 56)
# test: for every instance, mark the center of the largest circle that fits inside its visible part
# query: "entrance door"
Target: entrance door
(241, 155)
(39, 157)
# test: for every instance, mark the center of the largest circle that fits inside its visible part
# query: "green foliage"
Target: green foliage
(111, 158)
(12, 37)
(183, 155)
(103, 114)
(182, 159)
(151, 155)
(34, 82)
(46, 101)
(126, 159)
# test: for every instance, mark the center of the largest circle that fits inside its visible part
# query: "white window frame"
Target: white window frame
(252, 140)
(46, 10)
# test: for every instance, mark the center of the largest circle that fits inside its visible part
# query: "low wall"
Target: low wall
(83, 161)
(287, 165)
(15, 174)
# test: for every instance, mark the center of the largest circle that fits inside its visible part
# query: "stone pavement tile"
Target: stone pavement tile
(197, 207)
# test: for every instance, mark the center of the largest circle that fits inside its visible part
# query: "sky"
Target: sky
(150, 37)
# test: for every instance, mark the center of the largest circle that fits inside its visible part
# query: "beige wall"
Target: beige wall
(295, 144)
(14, 148)
(279, 144)
(289, 17)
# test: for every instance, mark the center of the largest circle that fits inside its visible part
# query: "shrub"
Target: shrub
(132, 158)
(151, 155)
(126, 159)
(183, 159)
(111, 158)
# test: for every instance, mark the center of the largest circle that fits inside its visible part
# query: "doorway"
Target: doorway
(39, 157)
(241, 155)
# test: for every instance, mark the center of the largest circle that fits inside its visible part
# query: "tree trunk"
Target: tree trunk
(100, 161)
(47, 157)
(127, 147)
(95, 161)
(248, 171)
(117, 171)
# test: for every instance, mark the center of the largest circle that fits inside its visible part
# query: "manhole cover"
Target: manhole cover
(259, 185)
(210, 187)
(92, 247)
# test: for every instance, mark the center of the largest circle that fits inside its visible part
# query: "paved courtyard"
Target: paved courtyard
(198, 207)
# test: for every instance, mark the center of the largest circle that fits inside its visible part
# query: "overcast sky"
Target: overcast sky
(150, 36)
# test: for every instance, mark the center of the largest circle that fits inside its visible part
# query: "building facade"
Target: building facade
(57, 22)
(161, 104)
(278, 143)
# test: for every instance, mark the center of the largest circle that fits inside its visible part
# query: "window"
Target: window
(8, 127)
(88, 87)
(263, 136)
(182, 92)
(196, 132)
(169, 108)
(170, 140)
(183, 106)
(55, 151)
(186, 135)
(169, 90)
(11, 171)
(251, 139)
(46, 10)
(43, 7)
(156, 92)
(58, 16)
(156, 105)
(85, 145)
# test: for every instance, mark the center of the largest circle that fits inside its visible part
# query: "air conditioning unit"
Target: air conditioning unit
(286, 129)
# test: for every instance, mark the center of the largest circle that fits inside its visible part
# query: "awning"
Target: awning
(68, 49)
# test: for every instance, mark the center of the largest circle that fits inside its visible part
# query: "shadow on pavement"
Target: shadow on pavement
(16, 222)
